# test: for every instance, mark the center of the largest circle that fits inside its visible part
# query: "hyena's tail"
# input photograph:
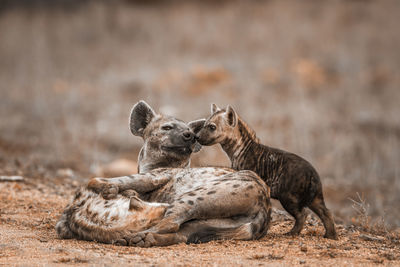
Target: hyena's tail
(62, 227)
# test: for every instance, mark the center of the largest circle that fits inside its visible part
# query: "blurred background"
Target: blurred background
(317, 78)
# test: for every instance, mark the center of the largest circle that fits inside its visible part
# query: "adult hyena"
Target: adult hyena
(293, 180)
(163, 206)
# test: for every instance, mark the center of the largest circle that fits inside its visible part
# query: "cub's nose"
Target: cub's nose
(188, 136)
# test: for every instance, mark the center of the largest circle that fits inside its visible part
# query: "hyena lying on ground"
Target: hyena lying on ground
(293, 181)
(163, 206)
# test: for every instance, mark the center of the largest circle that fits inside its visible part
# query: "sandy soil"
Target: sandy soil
(29, 211)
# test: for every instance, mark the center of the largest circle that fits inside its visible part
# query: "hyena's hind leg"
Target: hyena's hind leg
(201, 231)
(172, 228)
(318, 206)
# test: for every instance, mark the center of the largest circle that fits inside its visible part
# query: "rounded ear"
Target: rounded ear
(214, 108)
(136, 204)
(141, 115)
(231, 116)
(196, 125)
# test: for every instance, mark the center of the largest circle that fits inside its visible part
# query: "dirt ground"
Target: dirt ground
(29, 211)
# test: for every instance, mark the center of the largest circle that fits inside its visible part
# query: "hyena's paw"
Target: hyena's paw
(101, 186)
(129, 193)
(109, 191)
(131, 239)
(143, 240)
(137, 240)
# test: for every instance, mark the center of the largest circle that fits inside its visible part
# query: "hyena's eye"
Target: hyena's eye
(212, 127)
(166, 127)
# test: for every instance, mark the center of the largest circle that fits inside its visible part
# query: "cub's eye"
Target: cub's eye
(166, 128)
(212, 127)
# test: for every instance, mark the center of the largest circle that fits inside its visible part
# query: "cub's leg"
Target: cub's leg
(318, 206)
(294, 208)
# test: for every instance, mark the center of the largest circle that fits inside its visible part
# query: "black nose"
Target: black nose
(188, 136)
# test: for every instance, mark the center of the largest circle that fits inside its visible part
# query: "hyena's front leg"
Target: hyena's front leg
(155, 240)
(141, 183)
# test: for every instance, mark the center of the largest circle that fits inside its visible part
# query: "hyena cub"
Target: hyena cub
(293, 180)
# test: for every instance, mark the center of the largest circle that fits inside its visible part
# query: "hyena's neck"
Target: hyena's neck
(238, 144)
(148, 162)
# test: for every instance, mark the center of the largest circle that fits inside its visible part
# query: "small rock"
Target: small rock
(13, 178)
(371, 238)
(65, 173)
(302, 261)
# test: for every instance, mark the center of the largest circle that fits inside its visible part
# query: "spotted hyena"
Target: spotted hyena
(168, 203)
(293, 181)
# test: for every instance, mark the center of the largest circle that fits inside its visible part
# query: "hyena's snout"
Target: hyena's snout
(188, 136)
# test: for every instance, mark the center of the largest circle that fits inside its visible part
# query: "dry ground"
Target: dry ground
(30, 210)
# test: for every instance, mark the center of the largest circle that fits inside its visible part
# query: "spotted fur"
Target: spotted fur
(293, 180)
(163, 206)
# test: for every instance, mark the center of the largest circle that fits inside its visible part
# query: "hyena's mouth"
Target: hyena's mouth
(178, 149)
(205, 142)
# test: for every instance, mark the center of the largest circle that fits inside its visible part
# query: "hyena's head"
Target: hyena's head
(219, 127)
(168, 142)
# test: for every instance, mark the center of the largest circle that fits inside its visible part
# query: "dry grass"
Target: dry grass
(316, 78)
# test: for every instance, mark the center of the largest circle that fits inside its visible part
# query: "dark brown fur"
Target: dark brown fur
(292, 179)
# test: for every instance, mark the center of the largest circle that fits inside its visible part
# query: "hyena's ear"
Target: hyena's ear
(214, 108)
(136, 204)
(141, 115)
(231, 116)
(197, 125)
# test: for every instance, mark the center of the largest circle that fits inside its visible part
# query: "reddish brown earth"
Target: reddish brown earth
(29, 211)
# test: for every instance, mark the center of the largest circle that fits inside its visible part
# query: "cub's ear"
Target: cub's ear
(231, 116)
(196, 125)
(141, 115)
(214, 108)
